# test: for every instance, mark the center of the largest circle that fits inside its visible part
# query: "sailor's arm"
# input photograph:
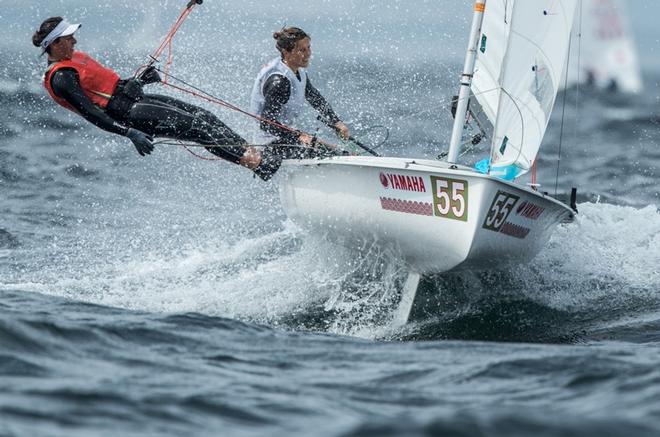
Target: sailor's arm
(318, 102)
(66, 85)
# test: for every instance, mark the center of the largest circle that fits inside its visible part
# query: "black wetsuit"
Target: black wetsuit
(155, 115)
(277, 91)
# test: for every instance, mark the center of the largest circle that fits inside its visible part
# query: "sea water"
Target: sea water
(167, 294)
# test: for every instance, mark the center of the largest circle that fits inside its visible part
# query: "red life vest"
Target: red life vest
(98, 82)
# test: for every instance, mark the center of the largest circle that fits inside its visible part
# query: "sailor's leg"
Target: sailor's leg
(163, 116)
(204, 120)
(171, 118)
(272, 156)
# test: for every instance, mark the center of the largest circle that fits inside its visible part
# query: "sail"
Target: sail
(604, 53)
(520, 60)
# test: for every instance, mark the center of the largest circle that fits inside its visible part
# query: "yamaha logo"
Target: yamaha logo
(403, 182)
(383, 180)
(530, 210)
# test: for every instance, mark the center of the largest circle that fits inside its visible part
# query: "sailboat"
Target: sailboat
(603, 53)
(444, 216)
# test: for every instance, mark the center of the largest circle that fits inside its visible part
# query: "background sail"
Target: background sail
(521, 57)
(604, 53)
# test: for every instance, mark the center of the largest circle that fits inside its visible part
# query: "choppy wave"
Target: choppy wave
(111, 370)
(596, 273)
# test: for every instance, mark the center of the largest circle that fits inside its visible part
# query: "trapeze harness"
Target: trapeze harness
(95, 92)
(279, 95)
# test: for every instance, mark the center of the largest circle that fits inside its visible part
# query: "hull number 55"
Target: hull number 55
(500, 209)
(450, 198)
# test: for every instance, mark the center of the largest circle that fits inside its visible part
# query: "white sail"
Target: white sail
(604, 53)
(521, 57)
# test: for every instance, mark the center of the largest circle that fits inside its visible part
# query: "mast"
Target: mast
(466, 81)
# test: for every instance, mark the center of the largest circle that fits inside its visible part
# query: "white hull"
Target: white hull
(440, 218)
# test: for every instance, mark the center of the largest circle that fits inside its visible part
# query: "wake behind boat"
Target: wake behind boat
(443, 216)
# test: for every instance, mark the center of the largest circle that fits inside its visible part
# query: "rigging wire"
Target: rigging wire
(578, 88)
(355, 144)
(167, 41)
(199, 93)
(564, 99)
(563, 112)
(301, 152)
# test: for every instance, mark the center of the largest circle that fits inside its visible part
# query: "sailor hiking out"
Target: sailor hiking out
(79, 83)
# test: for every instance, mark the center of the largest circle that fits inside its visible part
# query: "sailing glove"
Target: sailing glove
(149, 75)
(141, 141)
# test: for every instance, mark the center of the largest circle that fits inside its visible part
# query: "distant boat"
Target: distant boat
(440, 215)
(603, 53)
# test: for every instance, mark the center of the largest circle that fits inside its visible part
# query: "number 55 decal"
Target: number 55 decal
(450, 198)
(500, 209)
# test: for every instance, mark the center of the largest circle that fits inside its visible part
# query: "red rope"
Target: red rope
(211, 99)
(167, 41)
(221, 102)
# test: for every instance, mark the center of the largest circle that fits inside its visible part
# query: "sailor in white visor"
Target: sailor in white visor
(63, 29)
(83, 85)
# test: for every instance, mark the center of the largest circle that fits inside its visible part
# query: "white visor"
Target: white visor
(63, 29)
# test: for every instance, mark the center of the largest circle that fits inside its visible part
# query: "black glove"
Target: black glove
(141, 141)
(149, 75)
